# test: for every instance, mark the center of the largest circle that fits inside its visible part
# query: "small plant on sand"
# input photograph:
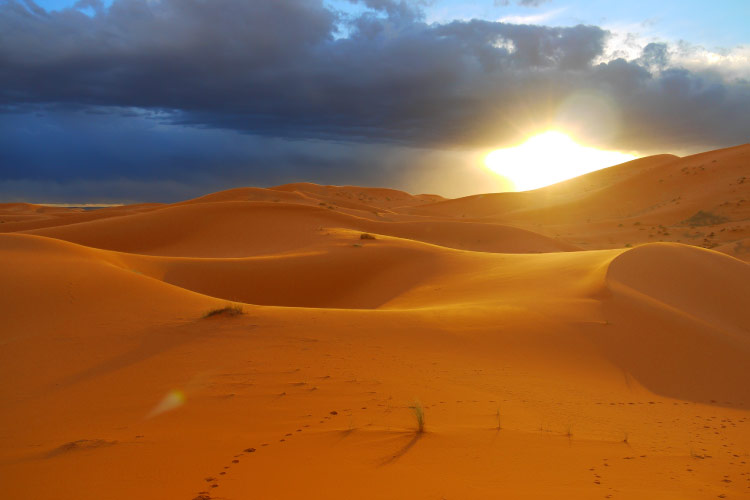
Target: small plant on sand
(569, 431)
(228, 310)
(497, 415)
(366, 236)
(418, 410)
(626, 437)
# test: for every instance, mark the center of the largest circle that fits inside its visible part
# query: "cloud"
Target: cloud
(533, 18)
(204, 83)
(655, 55)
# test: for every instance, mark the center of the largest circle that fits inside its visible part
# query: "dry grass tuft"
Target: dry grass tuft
(418, 410)
(228, 310)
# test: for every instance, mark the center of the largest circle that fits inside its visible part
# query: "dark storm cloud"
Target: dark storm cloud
(65, 155)
(278, 69)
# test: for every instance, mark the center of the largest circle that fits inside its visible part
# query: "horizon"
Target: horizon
(72, 204)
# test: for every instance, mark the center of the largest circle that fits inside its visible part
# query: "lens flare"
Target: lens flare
(549, 158)
(174, 399)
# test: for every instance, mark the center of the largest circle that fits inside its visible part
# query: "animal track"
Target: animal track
(214, 481)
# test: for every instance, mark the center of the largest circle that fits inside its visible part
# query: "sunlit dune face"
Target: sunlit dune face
(549, 158)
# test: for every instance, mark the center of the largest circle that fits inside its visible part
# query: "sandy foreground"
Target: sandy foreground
(583, 341)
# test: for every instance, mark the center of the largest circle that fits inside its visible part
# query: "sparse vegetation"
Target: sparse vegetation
(228, 310)
(418, 410)
(702, 218)
(366, 236)
(569, 431)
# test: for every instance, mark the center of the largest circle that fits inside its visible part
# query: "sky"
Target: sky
(163, 100)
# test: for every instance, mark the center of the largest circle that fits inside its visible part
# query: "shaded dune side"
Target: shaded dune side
(679, 322)
(242, 229)
(339, 277)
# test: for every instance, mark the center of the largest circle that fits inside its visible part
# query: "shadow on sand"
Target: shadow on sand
(403, 450)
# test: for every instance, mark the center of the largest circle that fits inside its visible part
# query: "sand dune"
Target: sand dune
(701, 200)
(499, 204)
(241, 229)
(680, 323)
(378, 197)
(549, 360)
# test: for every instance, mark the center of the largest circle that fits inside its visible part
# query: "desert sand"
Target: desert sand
(587, 340)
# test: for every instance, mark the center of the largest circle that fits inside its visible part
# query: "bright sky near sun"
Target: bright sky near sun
(548, 158)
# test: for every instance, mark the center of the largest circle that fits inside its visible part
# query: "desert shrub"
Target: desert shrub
(228, 310)
(418, 410)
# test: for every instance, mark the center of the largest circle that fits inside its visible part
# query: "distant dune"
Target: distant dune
(586, 340)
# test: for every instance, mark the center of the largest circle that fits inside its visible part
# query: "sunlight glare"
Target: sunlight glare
(549, 158)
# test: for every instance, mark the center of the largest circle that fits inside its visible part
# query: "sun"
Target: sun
(549, 158)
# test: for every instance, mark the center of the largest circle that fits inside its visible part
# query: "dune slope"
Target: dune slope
(702, 200)
(241, 229)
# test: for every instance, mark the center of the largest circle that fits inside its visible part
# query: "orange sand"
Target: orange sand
(551, 360)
